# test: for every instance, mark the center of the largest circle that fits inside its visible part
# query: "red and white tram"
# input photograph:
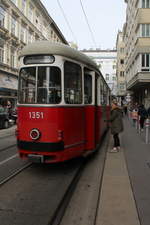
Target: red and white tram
(62, 103)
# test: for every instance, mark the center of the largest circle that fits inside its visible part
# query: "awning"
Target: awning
(8, 90)
(8, 97)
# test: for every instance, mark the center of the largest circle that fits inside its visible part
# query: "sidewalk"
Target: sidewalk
(117, 205)
(125, 198)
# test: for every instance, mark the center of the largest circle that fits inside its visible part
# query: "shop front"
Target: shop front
(8, 89)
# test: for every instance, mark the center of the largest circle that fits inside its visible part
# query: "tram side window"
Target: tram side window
(105, 95)
(49, 85)
(108, 100)
(27, 85)
(72, 83)
(102, 93)
(87, 89)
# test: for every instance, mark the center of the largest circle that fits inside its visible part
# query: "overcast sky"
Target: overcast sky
(105, 18)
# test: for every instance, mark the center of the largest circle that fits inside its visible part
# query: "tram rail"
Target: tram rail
(10, 146)
(9, 135)
(57, 209)
(62, 206)
(15, 173)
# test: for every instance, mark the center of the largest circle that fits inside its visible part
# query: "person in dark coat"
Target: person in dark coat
(148, 112)
(143, 115)
(116, 125)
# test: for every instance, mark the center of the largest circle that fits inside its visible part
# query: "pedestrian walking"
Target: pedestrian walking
(116, 124)
(148, 112)
(125, 109)
(143, 115)
(134, 115)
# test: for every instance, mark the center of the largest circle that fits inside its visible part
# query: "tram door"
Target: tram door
(97, 110)
(89, 85)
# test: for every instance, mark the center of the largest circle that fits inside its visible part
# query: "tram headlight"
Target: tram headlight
(35, 134)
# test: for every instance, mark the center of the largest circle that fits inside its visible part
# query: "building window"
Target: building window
(121, 73)
(145, 30)
(145, 62)
(121, 61)
(122, 87)
(23, 34)
(2, 17)
(37, 20)
(29, 37)
(13, 25)
(30, 13)
(12, 58)
(121, 50)
(52, 33)
(107, 77)
(145, 3)
(23, 9)
(1, 50)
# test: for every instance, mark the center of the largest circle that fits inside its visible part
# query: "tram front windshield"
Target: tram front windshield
(39, 85)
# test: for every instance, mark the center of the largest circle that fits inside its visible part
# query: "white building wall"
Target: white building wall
(106, 60)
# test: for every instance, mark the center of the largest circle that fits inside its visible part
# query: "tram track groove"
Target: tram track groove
(10, 135)
(15, 173)
(61, 208)
(10, 146)
(86, 180)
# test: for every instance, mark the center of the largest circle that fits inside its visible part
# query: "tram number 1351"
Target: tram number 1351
(36, 115)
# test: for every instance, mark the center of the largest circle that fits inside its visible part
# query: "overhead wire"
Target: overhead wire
(91, 32)
(65, 17)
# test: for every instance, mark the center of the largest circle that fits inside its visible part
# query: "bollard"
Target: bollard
(146, 130)
(136, 124)
(139, 127)
(130, 116)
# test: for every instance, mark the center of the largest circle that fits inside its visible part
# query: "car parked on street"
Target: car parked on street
(13, 115)
(4, 118)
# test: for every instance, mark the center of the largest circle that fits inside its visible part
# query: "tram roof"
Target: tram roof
(52, 48)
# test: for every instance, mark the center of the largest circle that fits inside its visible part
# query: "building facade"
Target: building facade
(21, 22)
(137, 50)
(106, 61)
(120, 68)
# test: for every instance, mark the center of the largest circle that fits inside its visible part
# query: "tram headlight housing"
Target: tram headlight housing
(35, 134)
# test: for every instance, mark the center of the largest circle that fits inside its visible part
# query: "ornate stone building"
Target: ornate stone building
(21, 22)
(137, 49)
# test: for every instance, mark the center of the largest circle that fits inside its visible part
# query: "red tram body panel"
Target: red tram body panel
(90, 127)
(51, 129)
(61, 128)
(66, 132)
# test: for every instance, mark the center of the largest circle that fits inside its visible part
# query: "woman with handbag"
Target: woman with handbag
(116, 124)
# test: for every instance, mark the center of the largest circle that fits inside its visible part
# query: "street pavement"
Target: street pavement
(124, 193)
(7, 132)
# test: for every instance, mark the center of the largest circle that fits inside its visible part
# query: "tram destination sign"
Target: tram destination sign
(39, 59)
